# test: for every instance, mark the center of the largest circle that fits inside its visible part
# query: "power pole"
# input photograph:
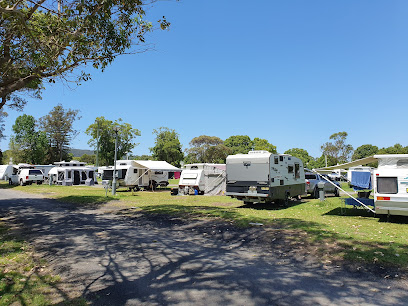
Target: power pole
(97, 147)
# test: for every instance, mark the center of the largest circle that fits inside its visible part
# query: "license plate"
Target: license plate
(252, 190)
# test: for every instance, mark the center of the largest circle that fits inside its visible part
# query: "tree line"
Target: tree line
(48, 139)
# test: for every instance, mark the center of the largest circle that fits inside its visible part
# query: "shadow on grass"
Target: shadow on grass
(270, 206)
(327, 241)
(7, 186)
(87, 201)
(350, 212)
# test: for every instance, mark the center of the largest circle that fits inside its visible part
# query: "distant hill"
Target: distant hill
(80, 152)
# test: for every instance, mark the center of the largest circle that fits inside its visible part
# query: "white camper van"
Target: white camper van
(260, 176)
(203, 178)
(391, 184)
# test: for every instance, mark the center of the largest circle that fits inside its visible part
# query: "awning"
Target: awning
(157, 165)
(358, 162)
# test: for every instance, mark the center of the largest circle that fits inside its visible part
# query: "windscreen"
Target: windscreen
(34, 172)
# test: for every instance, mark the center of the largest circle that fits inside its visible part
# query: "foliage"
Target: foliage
(89, 159)
(321, 161)
(308, 161)
(32, 144)
(239, 144)
(364, 151)
(167, 146)
(395, 149)
(107, 135)
(207, 149)
(40, 42)
(58, 126)
(3, 115)
(263, 144)
(141, 157)
(338, 150)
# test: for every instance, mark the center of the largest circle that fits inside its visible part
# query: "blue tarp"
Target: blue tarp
(361, 180)
(351, 201)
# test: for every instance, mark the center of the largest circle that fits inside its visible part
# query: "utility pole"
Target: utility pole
(116, 130)
(97, 146)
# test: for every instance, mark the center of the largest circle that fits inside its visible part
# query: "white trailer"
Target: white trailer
(5, 172)
(203, 178)
(135, 174)
(72, 173)
(263, 177)
(391, 184)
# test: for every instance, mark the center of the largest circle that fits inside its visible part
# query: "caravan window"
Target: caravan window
(402, 163)
(280, 158)
(123, 174)
(107, 175)
(290, 169)
(91, 174)
(387, 185)
(134, 170)
(84, 176)
(194, 167)
(158, 172)
(276, 160)
(123, 164)
(60, 176)
(297, 171)
(69, 174)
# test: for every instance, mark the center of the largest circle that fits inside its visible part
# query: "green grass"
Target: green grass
(355, 235)
(174, 181)
(22, 277)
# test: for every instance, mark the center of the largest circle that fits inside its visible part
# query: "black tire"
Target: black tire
(286, 200)
(247, 203)
(336, 192)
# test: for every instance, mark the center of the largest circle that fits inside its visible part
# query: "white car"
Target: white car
(27, 176)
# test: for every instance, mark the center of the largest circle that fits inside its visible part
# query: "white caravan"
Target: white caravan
(203, 178)
(5, 172)
(135, 174)
(260, 176)
(72, 173)
(391, 184)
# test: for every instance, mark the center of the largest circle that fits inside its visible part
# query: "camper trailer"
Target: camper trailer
(391, 184)
(5, 172)
(72, 173)
(135, 174)
(263, 177)
(205, 178)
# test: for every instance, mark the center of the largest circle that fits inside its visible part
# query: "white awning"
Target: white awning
(358, 162)
(157, 165)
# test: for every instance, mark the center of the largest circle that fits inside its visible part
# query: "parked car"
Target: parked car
(27, 176)
(312, 179)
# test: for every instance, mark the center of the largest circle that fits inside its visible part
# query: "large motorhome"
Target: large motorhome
(263, 177)
(203, 178)
(135, 174)
(391, 184)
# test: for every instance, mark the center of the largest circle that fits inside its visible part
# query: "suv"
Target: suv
(28, 176)
(312, 179)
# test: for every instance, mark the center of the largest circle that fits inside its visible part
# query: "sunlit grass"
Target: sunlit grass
(347, 233)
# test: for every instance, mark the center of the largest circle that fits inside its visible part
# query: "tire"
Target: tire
(22, 183)
(39, 182)
(336, 192)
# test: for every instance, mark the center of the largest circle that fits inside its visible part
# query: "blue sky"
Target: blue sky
(292, 72)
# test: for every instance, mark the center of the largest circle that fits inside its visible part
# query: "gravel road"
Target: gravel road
(157, 260)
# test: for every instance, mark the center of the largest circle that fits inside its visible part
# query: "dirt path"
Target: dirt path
(116, 260)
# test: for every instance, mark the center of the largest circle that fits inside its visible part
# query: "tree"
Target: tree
(141, 157)
(207, 149)
(3, 115)
(89, 159)
(126, 135)
(395, 149)
(239, 144)
(263, 144)
(338, 150)
(40, 42)
(364, 151)
(303, 155)
(58, 126)
(167, 146)
(32, 143)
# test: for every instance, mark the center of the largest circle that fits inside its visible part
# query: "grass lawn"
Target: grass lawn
(357, 235)
(23, 278)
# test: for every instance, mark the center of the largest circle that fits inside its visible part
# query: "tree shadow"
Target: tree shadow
(272, 205)
(89, 202)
